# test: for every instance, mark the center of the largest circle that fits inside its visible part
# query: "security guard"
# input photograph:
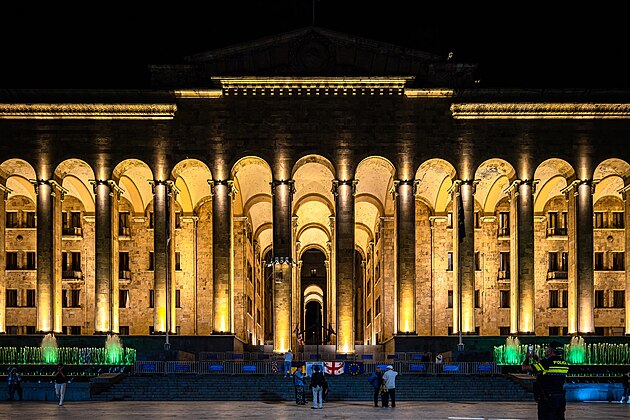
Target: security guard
(549, 386)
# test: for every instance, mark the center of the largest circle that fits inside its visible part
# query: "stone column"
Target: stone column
(344, 245)
(4, 195)
(463, 255)
(522, 287)
(581, 279)
(222, 193)
(282, 192)
(240, 226)
(404, 192)
(106, 277)
(164, 316)
(626, 224)
(49, 288)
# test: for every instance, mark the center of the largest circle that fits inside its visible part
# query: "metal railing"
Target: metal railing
(276, 367)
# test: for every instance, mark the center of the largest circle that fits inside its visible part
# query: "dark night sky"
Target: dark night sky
(111, 47)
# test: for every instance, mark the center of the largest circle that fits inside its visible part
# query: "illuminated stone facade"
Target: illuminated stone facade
(314, 182)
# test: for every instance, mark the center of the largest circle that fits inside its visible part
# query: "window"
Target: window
(71, 222)
(599, 298)
(599, 331)
(477, 299)
(151, 261)
(250, 272)
(368, 287)
(123, 330)
(12, 298)
(554, 330)
(449, 262)
(12, 219)
(71, 298)
(30, 298)
(258, 316)
(151, 330)
(556, 225)
(178, 220)
(368, 317)
(151, 221)
(553, 261)
(617, 261)
(619, 299)
(151, 298)
(30, 329)
(504, 298)
(74, 330)
(11, 329)
(123, 261)
(564, 261)
(178, 263)
(477, 261)
(449, 220)
(12, 261)
(554, 298)
(504, 223)
(449, 299)
(617, 220)
(565, 299)
(598, 222)
(178, 298)
(31, 260)
(30, 219)
(123, 224)
(504, 330)
(598, 263)
(123, 298)
(377, 307)
(477, 220)
(250, 306)
(504, 265)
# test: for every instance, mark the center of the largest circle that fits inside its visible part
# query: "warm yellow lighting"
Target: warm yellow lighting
(198, 93)
(429, 93)
(540, 111)
(62, 111)
(223, 328)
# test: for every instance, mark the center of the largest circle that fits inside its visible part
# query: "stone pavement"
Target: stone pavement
(215, 410)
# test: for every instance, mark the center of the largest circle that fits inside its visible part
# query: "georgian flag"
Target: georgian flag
(333, 368)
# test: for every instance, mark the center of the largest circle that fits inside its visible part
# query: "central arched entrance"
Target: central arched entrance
(313, 278)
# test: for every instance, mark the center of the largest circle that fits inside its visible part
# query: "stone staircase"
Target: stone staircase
(276, 388)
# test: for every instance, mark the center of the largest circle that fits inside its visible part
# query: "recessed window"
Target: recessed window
(449, 299)
(599, 298)
(123, 298)
(554, 299)
(449, 262)
(30, 298)
(151, 298)
(178, 298)
(598, 220)
(617, 220)
(12, 298)
(178, 262)
(617, 261)
(123, 330)
(504, 298)
(477, 299)
(377, 306)
(11, 260)
(598, 261)
(11, 219)
(619, 298)
(565, 299)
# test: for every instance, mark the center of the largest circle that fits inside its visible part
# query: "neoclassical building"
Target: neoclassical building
(314, 182)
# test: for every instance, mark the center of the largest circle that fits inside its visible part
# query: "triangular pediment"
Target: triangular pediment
(313, 52)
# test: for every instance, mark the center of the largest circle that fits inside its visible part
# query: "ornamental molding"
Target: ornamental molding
(64, 111)
(479, 111)
(316, 86)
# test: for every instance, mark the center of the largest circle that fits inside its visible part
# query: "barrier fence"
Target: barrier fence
(276, 367)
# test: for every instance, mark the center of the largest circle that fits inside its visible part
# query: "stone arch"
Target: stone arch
(611, 167)
(191, 178)
(133, 176)
(552, 176)
(494, 176)
(17, 174)
(435, 177)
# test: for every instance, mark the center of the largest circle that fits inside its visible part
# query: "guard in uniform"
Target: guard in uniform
(549, 386)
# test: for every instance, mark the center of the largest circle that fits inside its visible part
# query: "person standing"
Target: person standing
(61, 380)
(550, 377)
(625, 397)
(389, 383)
(376, 380)
(317, 386)
(288, 358)
(298, 381)
(15, 384)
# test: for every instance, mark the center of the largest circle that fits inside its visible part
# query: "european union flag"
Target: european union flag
(354, 368)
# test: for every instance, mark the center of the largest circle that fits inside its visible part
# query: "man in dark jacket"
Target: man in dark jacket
(317, 385)
(376, 380)
(550, 376)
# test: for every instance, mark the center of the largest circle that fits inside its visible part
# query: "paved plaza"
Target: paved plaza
(286, 410)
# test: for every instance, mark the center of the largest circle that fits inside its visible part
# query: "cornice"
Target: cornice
(475, 111)
(87, 111)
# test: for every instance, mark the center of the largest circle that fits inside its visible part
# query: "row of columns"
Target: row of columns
(579, 195)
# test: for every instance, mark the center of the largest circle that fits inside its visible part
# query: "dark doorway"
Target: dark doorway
(313, 320)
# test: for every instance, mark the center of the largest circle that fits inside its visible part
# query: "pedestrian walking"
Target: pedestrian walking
(317, 386)
(389, 386)
(298, 381)
(14, 382)
(550, 377)
(376, 380)
(625, 397)
(61, 380)
(288, 358)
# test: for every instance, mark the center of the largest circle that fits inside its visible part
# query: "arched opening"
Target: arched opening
(313, 276)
